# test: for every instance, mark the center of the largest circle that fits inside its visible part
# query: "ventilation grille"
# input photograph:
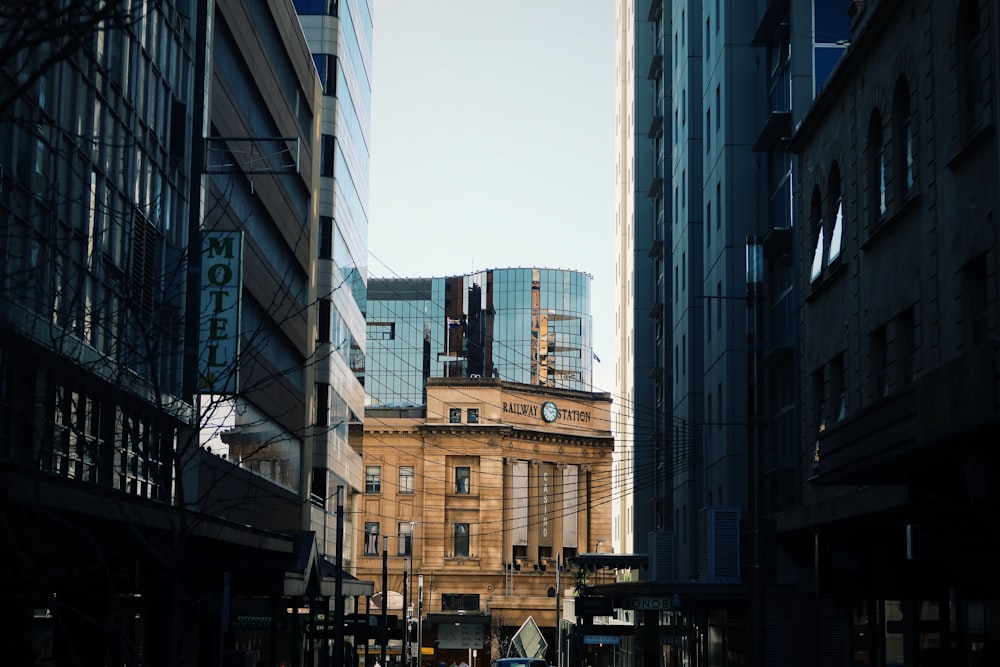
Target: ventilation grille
(719, 543)
(661, 555)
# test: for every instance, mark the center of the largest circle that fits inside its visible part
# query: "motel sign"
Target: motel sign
(219, 337)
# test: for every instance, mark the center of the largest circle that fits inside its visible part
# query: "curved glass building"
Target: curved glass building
(526, 325)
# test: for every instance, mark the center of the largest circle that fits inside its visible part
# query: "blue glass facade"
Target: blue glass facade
(339, 33)
(95, 180)
(526, 325)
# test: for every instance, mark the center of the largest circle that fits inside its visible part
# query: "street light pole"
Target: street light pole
(558, 609)
(406, 616)
(406, 605)
(338, 586)
(755, 299)
(420, 617)
(384, 634)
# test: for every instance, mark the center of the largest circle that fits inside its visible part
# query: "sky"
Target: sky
(493, 143)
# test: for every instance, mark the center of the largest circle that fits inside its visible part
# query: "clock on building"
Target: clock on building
(549, 411)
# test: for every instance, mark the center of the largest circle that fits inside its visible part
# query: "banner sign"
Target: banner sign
(546, 504)
(221, 287)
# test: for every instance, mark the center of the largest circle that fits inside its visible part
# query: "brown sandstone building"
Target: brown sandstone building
(483, 495)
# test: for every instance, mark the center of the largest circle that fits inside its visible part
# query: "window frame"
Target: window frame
(878, 191)
(404, 539)
(904, 137)
(373, 479)
(371, 547)
(460, 540)
(407, 487)
(463, 474)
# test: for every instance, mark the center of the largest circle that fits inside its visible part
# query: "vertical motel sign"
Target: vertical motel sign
(219, 338)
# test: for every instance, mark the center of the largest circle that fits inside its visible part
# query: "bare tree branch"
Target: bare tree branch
(35, 36)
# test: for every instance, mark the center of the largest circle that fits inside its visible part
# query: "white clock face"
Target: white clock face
(549, 411)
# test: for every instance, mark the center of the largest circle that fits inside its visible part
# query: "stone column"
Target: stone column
(534, 511)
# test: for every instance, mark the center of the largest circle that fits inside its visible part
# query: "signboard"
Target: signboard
(528, 641)
(601, 639)
(546, 500)
(651, 603)
(460, 635)
(219, 332)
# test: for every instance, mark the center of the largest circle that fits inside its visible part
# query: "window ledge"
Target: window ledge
(973, 141)
(828, 276)
(910, 202)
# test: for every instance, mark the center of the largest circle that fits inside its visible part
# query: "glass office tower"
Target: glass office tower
(524, 325)
(339, 34)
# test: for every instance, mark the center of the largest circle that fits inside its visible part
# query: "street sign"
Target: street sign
(528, 640)
(359, 626)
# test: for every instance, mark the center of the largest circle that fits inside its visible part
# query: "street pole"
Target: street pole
(410, 556)
(558, 609)
(368, 615)
(420, 618)
(755, 288)
(406, 617)
(384, 634)
(338, 586)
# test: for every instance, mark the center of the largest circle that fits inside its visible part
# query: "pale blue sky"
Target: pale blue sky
(493, 143)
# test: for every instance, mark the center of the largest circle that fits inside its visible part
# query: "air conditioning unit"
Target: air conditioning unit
(661, 555)
(719, 543)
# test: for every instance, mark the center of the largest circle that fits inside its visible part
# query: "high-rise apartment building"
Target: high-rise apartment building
(708, 93)
(643, 281)
(339, 34)
(525, 325)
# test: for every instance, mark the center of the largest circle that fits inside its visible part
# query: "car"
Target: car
(520, 662)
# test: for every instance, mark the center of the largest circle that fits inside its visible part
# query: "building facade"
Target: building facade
(643, 367)
(96, 182)
(707, 95)
(899, 357)
(157, 216)
(524, 325)
(484, 497)
(339, 35)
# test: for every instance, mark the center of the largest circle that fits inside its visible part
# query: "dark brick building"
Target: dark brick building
(900, 359)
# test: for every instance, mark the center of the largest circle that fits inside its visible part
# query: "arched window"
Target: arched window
(903, 140)
(816, 224)
(836, 214)
(876, 167)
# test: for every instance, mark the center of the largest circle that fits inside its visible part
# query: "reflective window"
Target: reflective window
(405, 539)
(371, 538)
(327, 7)
(373, 479)
(461, 540)
(462, 479)
(406, 479)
